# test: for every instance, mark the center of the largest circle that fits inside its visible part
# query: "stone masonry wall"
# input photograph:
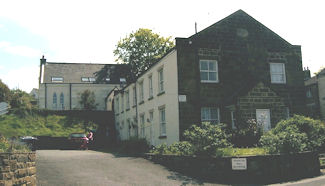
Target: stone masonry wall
(261, 97)
(17, 169)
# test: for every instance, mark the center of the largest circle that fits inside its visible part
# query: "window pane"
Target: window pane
(203, 65)
(212, 66)
(204, 75)
(214, 114)
(212, 76)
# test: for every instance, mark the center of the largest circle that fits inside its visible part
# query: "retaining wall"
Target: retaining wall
(17, 169)
(260, 169)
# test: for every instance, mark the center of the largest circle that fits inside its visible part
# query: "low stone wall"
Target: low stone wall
(17, 169)
(259, 169)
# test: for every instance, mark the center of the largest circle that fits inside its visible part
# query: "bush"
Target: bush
(206, 138)
(296, 134)
(247, 134)
(12, 146)
(177, 148)
(133, 146)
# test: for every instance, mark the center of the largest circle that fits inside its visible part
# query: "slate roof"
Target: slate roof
(73, 72)
(240, 24)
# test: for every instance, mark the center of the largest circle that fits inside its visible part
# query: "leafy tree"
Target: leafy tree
(87, 100)
(141, 49)
(20, 99)
(4, 92)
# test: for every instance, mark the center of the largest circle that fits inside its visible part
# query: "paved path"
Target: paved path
(83, 168)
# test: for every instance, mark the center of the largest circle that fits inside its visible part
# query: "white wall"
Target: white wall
(169, 100)
(100, 91)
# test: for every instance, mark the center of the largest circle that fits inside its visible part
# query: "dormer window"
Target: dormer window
(85, 79)
(57, 79)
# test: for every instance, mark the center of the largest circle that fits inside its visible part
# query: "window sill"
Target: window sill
(161, 93)
(162, 137)
(141, 102)
(150, 98)
(209, 81)
(279, 83)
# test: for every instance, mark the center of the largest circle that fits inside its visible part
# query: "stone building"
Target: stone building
(235, 70)
(315, 94)
(61, 84)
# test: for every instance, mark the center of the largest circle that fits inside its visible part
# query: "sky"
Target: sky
(87, 31)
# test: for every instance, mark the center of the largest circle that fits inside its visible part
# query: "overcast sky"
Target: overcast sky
(87, 31)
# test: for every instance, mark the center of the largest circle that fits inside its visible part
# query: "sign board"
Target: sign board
(239, 163)
(182, 98)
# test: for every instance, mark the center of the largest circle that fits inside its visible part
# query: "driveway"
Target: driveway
(69, 167)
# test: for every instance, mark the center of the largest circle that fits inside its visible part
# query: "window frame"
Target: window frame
(150, 86)
(273, 74)
(208, 71)
(142, 125)
(141, 91)
(162, 121)
(161, 87)
(134, 90)
(211, 120)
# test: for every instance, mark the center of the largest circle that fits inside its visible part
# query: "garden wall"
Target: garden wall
(17, 169)
(260, 169)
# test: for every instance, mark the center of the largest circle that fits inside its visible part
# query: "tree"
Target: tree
(20, 99)
(141, 49)
(4, 92)
(87, 100)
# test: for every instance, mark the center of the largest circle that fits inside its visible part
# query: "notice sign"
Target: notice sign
(239, 163)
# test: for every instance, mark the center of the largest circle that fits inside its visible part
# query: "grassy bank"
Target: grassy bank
(38, 125)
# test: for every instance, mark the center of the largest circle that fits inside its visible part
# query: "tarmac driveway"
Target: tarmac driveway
(72, 167)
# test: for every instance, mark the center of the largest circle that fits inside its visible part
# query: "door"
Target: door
(263, 118)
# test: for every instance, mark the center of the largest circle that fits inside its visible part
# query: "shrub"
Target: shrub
(12, 146)
(206, 138)
(247, 134)
(177, 148)
(296, 134)
(133, 146)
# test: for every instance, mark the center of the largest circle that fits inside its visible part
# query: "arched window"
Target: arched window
(54, 100)
(62, 100)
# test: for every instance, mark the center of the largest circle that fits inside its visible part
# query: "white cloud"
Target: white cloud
(24, 78)
(19, 50)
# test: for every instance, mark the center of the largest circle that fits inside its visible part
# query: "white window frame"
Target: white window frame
(161, 87)
(207, 71)
(209, 119)
(266, 121)
(150, 86)
(92, 79)
(141, 92)
(162, 121)
(277, 74)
